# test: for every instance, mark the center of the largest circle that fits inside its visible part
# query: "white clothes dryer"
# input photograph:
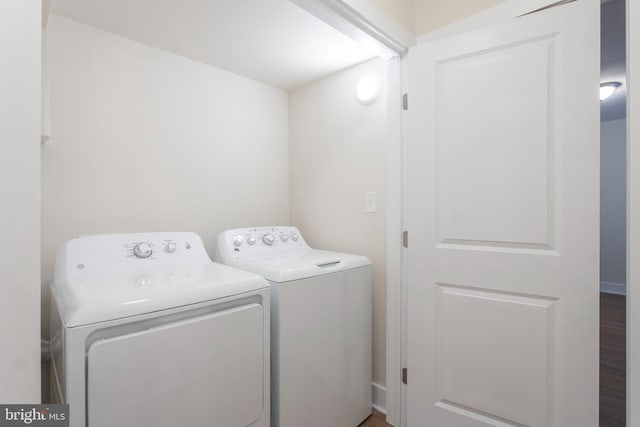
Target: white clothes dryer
(321, 340)
(147, 331)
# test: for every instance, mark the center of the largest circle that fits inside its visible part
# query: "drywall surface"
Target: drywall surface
(432, 14)
(337, 153)
(613, 204)
(401, 11)
(146, 140)
(20, 40)
(393, 17)
(407, 19)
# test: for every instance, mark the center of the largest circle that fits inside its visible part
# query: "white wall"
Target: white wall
(394, 17)
(613, 205)
(417, 17)
(433, 14)
(20, 38)
(401, 11)
(337, 152)
(145, 140)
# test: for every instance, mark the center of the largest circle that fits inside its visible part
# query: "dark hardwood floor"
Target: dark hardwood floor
(377, 419)
(612, 360)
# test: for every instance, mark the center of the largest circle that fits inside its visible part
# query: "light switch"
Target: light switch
(370, 202)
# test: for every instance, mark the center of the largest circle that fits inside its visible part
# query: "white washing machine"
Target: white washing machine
(321, 340)
(147, 331)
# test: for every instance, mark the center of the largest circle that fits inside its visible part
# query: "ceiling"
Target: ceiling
(612, 58)
(272, 41)
(278, 43)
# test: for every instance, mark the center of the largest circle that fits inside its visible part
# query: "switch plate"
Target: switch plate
(370, 202)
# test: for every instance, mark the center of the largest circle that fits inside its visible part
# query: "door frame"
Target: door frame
(633, 211)
(395, 338)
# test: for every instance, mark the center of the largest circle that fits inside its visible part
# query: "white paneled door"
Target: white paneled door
(502, 213)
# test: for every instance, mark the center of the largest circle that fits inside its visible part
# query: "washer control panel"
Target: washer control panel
(260, 240)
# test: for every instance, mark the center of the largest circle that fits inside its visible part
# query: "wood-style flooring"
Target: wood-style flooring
(612, 360)
(612, 365)
(375, 420)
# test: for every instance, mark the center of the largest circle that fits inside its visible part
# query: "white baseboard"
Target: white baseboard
(613, 288)
(379, 398)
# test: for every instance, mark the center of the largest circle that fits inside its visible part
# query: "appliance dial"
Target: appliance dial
(142, 250)
(251, 240)
(238, 240)
(268, 239)
(295, 237)
(170, 247)
(284, 238)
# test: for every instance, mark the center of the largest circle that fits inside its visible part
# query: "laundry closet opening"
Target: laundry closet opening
(211, 115)
(613, 207)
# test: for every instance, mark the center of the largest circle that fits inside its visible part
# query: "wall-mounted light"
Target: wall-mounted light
(607, 89)
(368, 89)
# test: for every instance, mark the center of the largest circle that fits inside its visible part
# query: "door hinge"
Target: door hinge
(405, 239)
(404, 375)
(405, 101)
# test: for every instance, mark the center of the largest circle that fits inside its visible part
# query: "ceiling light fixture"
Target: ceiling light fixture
(607, 89)
(368, 90)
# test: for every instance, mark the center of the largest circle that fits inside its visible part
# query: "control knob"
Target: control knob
(142, 250)
(284, 238)
(251, 240)
(268, 239)
(238, 240)
(295, 237)
(170, 247)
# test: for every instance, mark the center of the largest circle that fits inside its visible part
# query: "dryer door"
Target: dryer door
(204, 371)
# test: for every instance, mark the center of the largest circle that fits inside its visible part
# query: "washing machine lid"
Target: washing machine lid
(296, 265)
(100, 278)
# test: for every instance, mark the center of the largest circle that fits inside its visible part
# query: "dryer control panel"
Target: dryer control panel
(109, 254)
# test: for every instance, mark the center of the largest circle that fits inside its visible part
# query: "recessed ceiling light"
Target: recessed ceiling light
(607, 89)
